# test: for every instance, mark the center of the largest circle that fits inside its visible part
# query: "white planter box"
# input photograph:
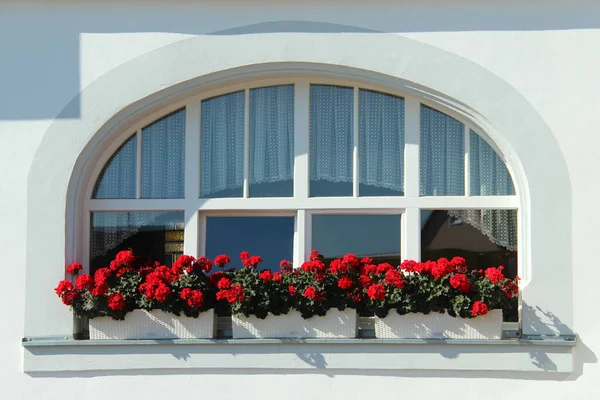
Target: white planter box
(140, 324)
(336, 324)
(438, 326)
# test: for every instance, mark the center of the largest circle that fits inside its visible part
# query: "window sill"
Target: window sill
(534, 354)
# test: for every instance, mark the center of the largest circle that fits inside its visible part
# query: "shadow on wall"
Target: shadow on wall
(40, 45)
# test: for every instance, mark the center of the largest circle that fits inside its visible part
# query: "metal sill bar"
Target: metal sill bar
(568, 341)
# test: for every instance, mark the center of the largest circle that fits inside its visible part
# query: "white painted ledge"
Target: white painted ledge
(547, 355)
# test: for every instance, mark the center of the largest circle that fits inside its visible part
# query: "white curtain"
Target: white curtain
(331, 131)
(442, 154)
(489, 175)
(272, 134)
(117, 180)
(163, 158)
(222, 146)
(381, 140)
(499, 225)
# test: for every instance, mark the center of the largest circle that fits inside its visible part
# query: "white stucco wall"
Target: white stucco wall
(547, 52)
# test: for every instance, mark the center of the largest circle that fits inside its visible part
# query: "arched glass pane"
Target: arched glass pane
(163, 158)
(380, 144)
(222, 146)
(442, 154)
(272, 141)
(488, 173)
(118, 178)
(331, 131)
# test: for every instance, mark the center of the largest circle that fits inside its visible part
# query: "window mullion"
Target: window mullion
(467, 137)
(138, 168)
(192, 178)
(301, 139)
(411, 234)
(411, 146)
(300, 238)
(246, 143)
(355, 172)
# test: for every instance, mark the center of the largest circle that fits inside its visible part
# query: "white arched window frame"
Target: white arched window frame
(300, 205)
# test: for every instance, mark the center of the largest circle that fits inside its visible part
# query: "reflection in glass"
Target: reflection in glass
(272, 238)
(272, 141)
(442, 154)
(485, 238)
(152, 236)
(117, 179)
(374, 236)
(222, 146)
(163, 157)
(380, 144)
(331, 131)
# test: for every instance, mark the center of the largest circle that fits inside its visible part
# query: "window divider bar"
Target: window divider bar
(467, 163)
(201, 229)
(301, 139)
(300, 238)
(355, 172)
(246, 143)
(192, 151)
(411, 146)
(411, 234)
(138, 167)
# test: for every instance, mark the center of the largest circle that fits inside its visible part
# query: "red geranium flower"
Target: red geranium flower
(479, 308)
(394, 278)
(224, 283)
(116, 301)
(310, 293)
(265, 276)
(84, 282)
(74, 268)
(460, 282)
(345, 282)
(222, 259)
(495, 275)
(376, 292)
(276, 277)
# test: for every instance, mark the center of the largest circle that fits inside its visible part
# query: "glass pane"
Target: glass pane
(331, 131)
(117, 179)
(272, 141)
(222, 146)
(442, 154)
(374, 236)
(380, 144)
(163, 158)
(489, 175)
(272, 238)
(152, 236)
(485, 238)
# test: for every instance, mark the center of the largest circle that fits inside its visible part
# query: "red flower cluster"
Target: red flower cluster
(345, 282)
(193, 297)
(74, 268)
(249, 261)
(101, 277)
(376, 292)
(232, 295)
(266, 276)
(460, 282)
(479, 308)
(156, 286)
(312, 293)
(394, 278)
(222, 260)
(116, 301)
(495, 275)
(123, 259)
(84, 282)
(66, 291)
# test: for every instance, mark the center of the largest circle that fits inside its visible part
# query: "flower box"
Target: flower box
(439, 326)
(336, 324)
(141, 324)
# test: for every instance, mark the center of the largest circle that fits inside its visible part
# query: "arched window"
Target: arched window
(281, 168)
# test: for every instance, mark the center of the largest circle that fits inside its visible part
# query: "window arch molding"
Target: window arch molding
(90, 135)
